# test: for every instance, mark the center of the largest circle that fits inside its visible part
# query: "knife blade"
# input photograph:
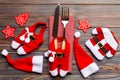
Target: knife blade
(55, 25)
(56, 22)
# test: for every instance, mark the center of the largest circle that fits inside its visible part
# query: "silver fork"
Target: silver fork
(65, 20)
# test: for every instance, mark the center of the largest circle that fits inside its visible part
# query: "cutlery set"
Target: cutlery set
(65, 20)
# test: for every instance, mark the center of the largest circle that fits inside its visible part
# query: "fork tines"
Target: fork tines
(65, 13)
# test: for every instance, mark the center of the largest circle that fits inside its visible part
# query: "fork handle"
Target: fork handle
(63, 44)
(64, 33)
(63, 41)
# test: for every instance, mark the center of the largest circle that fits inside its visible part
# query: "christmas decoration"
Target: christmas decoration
(21, 19)
(8, 31)
(103, 43)
(28, 40)
(84, 25)
(85, 63)
(58, 58)
(29, 64)
(69, 32)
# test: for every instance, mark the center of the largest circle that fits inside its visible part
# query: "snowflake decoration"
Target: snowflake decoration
(8, 32)
(21, 19)
(84, 25)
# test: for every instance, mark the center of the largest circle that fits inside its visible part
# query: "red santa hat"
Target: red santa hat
(103, 43)
(29, 64)
(85, 63)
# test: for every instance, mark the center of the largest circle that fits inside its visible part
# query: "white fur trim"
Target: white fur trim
(51, 51)
(54, 72)
(108, 54)
(27, 40)
(77, 34)
(37, 64)
(46, 54)
(90, 69)
(109, 38)
(94, 31)
(15, 45)
(51, 59)
(22, 38)
(94, 50)
(21, 51)
(63, 72)
(4, 52)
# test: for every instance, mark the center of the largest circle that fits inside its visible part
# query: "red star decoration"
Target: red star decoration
(21, 19)
(84, 25)
(8, 32)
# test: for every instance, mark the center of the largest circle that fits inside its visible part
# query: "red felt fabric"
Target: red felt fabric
(33, 44)
(24, 64)
(62, 62)
(69, 34)
(82, 58)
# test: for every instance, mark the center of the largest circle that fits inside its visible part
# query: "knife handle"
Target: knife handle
(55, 43)
(63, 44)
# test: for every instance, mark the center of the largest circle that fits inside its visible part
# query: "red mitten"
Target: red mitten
(28, 40)
(103, 43)
(85, 63)
(29, 64)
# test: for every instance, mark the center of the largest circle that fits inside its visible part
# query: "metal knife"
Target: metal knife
(55, 25)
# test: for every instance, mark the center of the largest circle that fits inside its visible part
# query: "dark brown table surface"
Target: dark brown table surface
(99, 13)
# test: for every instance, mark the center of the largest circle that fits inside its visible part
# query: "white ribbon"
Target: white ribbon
(27, 39)
(51, 58)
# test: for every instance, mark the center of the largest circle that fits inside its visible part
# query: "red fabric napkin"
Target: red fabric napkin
(69, 34)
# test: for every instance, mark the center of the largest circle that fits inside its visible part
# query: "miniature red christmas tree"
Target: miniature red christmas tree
(84, 25)
(21, 19)
(8, 31)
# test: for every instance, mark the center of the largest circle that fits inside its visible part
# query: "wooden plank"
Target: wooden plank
(39, 77)
(64, 2)
(114, 76)
(105, 15)
(47, 77)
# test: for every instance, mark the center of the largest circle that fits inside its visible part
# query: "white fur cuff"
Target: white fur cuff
(77, 34)
(4, 52)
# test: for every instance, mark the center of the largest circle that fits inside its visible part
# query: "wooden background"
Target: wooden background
(99, 13)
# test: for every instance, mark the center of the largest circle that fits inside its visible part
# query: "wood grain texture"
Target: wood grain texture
(99, 12)
(45, 2)
(98, 15)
